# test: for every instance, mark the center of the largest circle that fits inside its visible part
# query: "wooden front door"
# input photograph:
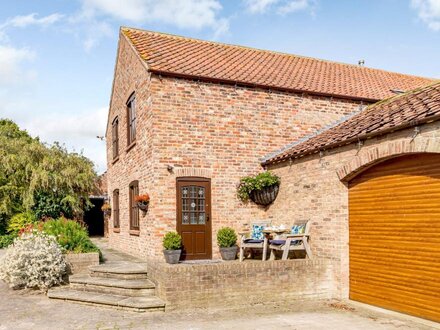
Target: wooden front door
(194, 217)
(395, 235)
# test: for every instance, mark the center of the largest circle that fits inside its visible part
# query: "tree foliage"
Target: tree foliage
(32, 172)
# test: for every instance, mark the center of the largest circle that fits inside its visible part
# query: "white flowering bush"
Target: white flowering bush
(34, 260)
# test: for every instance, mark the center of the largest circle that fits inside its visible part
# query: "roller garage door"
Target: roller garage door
(394, 212)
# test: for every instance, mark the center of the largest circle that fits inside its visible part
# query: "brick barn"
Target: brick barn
(190, 118)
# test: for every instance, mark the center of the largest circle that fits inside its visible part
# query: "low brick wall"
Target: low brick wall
(79, 262)
(240, 283)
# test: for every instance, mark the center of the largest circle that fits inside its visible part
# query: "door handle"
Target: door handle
(207, 217)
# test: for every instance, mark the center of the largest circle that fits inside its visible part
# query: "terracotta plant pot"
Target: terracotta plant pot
(229, 253)
(143, 206)
(266, 195)
(172, 256)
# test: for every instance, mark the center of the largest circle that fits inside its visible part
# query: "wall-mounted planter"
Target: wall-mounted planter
(143, 206)
(265, 196)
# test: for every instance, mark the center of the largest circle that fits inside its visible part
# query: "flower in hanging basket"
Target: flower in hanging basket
(142, 201)
(261, 188)
(106, 208)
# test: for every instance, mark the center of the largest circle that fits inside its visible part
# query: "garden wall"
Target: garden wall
(237, 283)
(80, 262)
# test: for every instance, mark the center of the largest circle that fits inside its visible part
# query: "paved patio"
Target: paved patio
(30, 310)
(33, 310)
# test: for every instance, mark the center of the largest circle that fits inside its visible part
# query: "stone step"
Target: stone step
(120, 270)
(138, 304)
(129, 287)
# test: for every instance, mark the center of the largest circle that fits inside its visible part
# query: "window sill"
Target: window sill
(115, 160)
(134, 232)
(130, 146)
(116, 230)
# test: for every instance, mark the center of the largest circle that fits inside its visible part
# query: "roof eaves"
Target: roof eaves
(360, 137)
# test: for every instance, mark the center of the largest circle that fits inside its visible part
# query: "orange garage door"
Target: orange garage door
(394, 210)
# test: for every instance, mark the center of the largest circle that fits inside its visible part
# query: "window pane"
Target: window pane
(193, 218)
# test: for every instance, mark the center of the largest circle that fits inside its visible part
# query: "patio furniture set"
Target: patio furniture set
(263, 236)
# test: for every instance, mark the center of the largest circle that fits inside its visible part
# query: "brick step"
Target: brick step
(137, 304)
(127, 271)
(129, 287)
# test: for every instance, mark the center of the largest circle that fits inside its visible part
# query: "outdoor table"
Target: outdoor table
(277, 232)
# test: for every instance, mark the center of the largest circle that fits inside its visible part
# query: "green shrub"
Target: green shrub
(257, 182)
(20, 221)
(172, 241)
(6, 240)
(50, 205)
(70, 235)
(226, 237)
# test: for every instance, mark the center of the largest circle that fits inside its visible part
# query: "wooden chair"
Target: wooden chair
(253, 242)
(292, 242)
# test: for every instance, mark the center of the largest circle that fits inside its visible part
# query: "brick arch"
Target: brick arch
(190, 171)
(390, 149)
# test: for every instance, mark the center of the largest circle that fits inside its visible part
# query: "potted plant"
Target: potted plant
(262, 188)
(227, 241)
(142, 202)
(106, 208)
(172, 243)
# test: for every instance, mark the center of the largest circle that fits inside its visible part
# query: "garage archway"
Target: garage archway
(394, 210)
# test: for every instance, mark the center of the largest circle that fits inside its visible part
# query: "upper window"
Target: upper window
(116, 208)
(134, 210)
(131, 120)
(115, 137)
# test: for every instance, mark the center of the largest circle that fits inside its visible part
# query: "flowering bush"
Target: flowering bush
(70, 235)
(145, 198)
(20, 221)
(34, 260)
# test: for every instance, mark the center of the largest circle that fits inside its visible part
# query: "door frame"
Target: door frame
(209, 214)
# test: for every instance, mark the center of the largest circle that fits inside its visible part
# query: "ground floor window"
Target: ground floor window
(116, 208)
(134, 210)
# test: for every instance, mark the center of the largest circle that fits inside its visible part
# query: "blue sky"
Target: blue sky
(57, 57)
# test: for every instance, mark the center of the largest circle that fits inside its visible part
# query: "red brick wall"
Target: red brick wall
(202, 129)
(235, 283)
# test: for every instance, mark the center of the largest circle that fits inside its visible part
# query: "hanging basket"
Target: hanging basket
(265, 196)
(143, 206)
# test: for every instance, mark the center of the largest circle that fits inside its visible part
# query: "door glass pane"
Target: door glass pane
(201, 205)
(193, 205)
(193, 218)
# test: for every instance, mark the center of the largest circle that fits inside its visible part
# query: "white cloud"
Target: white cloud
(23, 21)
(281, 7)
(259, 6)
(11, 60)
(429, 12)
(185, 14)
(293, 6)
